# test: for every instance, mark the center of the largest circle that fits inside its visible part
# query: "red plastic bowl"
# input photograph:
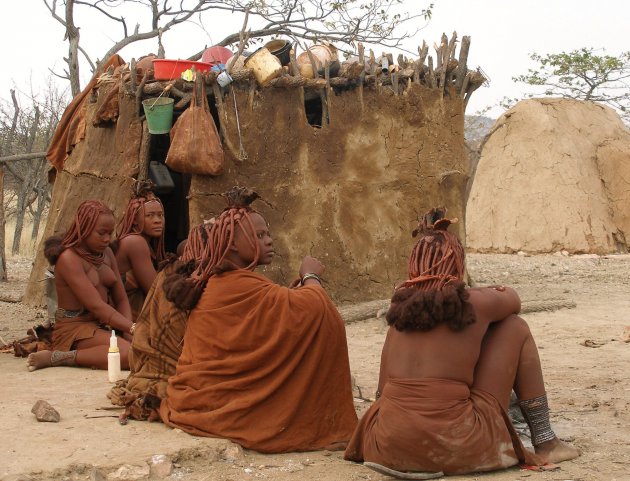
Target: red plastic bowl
(216, 55)
(164, 69)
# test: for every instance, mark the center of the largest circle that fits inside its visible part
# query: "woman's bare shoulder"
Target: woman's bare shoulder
(133, 244)
(68, 256)
(494, 303)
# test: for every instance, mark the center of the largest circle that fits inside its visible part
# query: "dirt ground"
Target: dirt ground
(584, 357)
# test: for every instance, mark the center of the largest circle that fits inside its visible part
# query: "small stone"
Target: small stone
(161, 466)
(293, 467)
(232, 452)
(522, 254)
(565, 253)
(45, 413)
(127, 472)
(248, 470)
(97, 475)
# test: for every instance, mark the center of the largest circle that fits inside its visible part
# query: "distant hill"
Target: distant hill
(476, 127)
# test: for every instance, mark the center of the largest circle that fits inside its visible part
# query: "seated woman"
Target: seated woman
(157, 341)
(449, 363)
(91, 297)
(139, 248)
(263, 365)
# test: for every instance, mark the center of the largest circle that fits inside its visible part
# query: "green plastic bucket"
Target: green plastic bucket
(159, 112)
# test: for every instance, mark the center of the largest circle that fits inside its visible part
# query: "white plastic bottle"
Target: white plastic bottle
(113, 359)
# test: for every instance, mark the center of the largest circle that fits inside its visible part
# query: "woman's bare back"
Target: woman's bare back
(441, 352)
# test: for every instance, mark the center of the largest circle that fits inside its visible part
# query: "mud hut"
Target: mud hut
(344, 164)
(554, 174)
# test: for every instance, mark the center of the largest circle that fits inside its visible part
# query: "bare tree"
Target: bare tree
(583, 74)
(27, 130)
(341, 21)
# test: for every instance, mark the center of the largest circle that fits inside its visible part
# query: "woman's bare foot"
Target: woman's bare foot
(556, 451)
(38, 360)
(42, 359)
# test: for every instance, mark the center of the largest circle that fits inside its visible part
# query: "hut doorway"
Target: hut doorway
(174, 197)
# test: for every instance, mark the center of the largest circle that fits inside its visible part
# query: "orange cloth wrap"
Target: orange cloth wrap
(263, 365)
(433, 425)
(71, 128)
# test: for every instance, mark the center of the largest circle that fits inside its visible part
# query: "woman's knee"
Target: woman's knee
(516, 325)
(512, 327)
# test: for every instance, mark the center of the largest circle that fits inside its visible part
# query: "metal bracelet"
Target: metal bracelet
(310, 275)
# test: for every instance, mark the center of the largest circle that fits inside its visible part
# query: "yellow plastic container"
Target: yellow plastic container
(265, 66)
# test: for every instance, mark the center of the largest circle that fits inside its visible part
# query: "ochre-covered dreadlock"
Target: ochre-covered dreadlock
(133, 220)
(197, 242)
(438, 256)
(186, 291)
(435, 291)
(82, 226)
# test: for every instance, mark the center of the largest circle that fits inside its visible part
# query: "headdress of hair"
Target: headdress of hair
(142, 194)
(82, 226)
(438, 257)
(237, 215)
(435, 292)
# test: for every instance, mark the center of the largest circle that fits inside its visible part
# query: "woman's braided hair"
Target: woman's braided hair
(129, 224)
(184, 288)
(82, 226)
(435, 291)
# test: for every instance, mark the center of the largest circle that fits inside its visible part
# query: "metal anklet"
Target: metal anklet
(63, 358)
(536, 414)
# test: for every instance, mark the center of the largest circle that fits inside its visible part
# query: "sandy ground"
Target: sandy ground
(585, 360)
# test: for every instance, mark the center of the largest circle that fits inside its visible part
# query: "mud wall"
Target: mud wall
(101, 167)
(348, 193)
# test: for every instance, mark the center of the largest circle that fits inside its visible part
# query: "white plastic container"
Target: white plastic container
(113, 359)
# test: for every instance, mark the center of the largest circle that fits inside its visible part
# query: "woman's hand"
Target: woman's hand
(310, 265)
(295, 283)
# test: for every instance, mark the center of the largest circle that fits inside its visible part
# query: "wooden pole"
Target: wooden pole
(16, 157)
(313, 63)
(295, 71)
(323, 94)
(143, 155)
(462, 66)
(362, 76)
(3, 262)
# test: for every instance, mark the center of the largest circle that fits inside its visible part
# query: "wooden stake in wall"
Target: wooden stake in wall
(3, 262)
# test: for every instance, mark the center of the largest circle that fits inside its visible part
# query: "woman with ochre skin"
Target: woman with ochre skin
(263, 365)
(140, 246)
(451, 358)
(91, 296)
